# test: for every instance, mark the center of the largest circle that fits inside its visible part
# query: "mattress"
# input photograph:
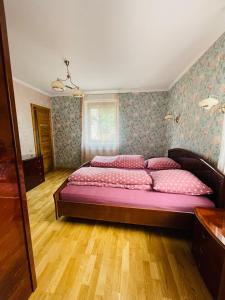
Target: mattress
(133, 198)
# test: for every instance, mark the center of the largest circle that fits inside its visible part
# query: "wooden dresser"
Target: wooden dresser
(33, 171)
(209, 248)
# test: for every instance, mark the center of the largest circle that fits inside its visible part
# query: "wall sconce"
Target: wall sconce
(210, 103)
(170, 117)
(222, 109)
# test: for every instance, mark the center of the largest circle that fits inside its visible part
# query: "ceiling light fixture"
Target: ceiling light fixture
(60, 85)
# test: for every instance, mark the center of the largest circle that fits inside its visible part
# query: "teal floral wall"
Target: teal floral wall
(66, 121)
(199, 130)
(142, 124)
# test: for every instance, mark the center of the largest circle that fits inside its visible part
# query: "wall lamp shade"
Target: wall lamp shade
(170, 117)
(208, 103)
(58, 86)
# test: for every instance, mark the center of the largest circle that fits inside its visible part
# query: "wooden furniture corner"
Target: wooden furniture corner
(33, 169)
(209, 248)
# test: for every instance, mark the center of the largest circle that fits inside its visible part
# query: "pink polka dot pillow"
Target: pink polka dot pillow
(162, 163)
(119, 161)
(179, 182)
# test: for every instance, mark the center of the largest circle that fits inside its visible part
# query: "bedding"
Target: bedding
(142, 207)
(179, 182)
(133, 198)
(161, 163)
(119, 161)
(111, 177)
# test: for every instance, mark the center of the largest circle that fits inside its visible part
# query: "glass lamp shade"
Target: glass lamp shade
(169, 117)
(77, 93)
(208, 103)
(58, 86)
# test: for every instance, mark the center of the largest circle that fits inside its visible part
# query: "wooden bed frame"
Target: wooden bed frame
(150, 217)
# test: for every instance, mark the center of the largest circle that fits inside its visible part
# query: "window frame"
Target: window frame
(85, 116)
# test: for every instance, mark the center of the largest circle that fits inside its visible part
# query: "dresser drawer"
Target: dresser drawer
(33, 172)
(209, 257)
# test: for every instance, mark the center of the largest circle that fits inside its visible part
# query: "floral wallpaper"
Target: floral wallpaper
(66, 121)
(142, 125)
(199, 130)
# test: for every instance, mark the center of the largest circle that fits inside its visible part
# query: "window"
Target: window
(100, 128)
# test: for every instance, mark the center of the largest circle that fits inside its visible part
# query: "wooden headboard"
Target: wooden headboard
(204, 171)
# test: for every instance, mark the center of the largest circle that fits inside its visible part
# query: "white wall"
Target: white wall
(24, 96)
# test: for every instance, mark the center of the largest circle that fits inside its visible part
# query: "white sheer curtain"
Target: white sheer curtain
(221, 162)
(100, 128)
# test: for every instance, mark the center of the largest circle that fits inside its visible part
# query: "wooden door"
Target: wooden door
(43, 134)
(17, 275)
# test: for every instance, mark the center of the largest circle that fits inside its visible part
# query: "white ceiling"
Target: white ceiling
(112, 45)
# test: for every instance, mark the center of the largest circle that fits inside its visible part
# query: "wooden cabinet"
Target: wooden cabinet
(209, 249)
(17, 274)
(33, 171)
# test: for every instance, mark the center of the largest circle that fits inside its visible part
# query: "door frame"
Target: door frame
(34, 120)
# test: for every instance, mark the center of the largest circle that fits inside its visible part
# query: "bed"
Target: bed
(143, 207)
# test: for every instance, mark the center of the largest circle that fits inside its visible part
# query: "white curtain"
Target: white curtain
(221, 162)
(100, 128)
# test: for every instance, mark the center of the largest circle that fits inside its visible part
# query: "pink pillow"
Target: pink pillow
(179, 182)
(119, 161)
(162, 163)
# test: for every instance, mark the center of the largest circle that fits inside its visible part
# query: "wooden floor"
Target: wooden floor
(88, 260)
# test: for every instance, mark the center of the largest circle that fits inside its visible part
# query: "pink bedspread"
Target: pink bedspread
(133, 198)
(111, 177)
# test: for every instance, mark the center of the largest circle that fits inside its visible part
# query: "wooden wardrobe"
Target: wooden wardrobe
(17, 274)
